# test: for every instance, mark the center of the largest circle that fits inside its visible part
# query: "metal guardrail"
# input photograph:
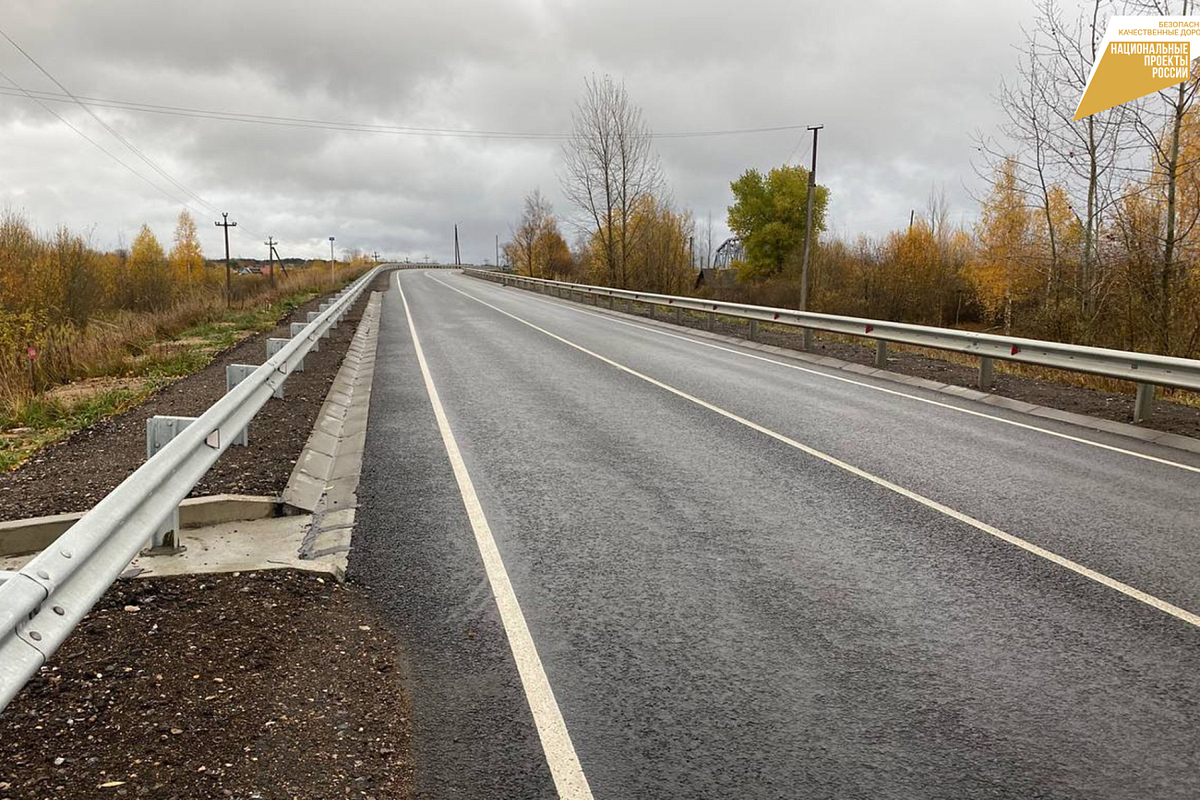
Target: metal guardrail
(43, 602)
(1145, 370)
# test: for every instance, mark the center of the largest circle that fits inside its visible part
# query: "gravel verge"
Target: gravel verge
(75, 473)
(275, 684)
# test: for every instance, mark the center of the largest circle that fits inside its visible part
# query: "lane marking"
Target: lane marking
(991, 530)
(568, 775)
(568, 306)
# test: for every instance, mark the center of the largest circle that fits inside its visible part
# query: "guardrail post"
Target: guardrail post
(1143, 402)
(297, 328)
(274, 346)
(160, 431)
(235, 374)
(336, 317)
(986, 372)
(312, 317)
(679, 315)
(712, 320)
(806, 338)
(653, 310)
(880, 354)
(611, 302)
(753, 329)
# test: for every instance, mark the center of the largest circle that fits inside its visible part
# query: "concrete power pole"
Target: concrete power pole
(812, 190)
(332, 274)
(226, 224)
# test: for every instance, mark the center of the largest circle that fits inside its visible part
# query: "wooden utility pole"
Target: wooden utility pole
(226, 224)
(270, 243)
(275, 253)
(812, 190)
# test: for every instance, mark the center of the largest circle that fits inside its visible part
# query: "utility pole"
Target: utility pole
(275, 253)
(270, 243)
(912, 215)
(457, 260)
(332, 274)
(226, 224)
(497, 251)
(691, 252)
(812, 190)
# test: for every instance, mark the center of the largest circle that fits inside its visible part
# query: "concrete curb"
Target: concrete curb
(325, 481)
(1162, 438)
(22, 536)
(328, 466)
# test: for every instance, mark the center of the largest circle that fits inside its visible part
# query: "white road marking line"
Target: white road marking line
(568, 775)
(568, 306)
(1041, 552)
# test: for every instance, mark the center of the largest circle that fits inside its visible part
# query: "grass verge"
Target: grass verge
(30, 423)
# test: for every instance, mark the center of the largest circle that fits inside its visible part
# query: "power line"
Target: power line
(104, 150)
(365, 127)
(136, 151)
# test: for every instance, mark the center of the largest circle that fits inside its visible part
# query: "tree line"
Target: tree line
(1086, 232)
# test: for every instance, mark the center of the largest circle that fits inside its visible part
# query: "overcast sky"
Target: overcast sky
(900, 88)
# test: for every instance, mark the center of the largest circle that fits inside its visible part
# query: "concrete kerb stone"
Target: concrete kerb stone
(1174, 440)
(325, 479)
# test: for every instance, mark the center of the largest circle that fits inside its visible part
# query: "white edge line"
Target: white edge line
(1030, 547)
(568, 306)
(565, 768)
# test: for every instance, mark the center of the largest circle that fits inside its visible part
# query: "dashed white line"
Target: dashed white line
(1079, 569)
(564, 764)
(567, 306)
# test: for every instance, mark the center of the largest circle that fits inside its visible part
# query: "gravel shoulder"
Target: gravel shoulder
(75, 473)
(276, 684)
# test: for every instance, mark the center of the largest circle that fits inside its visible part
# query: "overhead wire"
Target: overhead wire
(68, 96)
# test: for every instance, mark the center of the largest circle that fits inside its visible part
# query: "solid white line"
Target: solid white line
(1030, 547)
(568, 306)
(568, 775)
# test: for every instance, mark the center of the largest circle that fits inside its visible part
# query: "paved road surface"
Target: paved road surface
(745, 579)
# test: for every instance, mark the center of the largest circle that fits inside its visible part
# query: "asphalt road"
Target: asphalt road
(749, 580)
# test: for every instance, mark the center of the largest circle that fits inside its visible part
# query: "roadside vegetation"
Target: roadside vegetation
(1086, 230)
(86, 334)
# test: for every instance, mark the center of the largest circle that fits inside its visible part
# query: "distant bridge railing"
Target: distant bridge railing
(1145, 370)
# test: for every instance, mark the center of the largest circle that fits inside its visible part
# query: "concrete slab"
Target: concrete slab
(234, 547)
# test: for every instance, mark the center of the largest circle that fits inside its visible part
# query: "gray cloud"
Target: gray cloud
(900, 88)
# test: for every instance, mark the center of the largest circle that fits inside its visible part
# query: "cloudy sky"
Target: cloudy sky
(900, 88)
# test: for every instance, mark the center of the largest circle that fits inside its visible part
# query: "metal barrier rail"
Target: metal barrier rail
(1145, 370)
(43, 602)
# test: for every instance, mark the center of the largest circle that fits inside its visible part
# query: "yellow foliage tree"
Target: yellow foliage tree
(1003, 271)
(149, 272)
(187, 260)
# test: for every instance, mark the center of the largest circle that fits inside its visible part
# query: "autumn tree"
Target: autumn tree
(149, 272)
(186, 257)
(609, 170)
(522, 250)
(768, 215)
(1000, 272)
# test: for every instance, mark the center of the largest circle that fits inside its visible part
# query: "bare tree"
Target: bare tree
(1086, 162)
(708, 240)
(610, 169)
(522, 251)
(1160, 120)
